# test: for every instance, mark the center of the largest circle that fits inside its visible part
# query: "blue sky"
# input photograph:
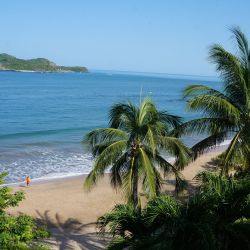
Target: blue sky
(143, 35)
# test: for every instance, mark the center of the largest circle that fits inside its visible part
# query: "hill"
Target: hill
(8, 62)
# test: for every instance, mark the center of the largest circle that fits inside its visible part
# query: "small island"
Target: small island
(11, 63)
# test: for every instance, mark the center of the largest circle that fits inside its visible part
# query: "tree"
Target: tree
(132, 147)
(7, 199)
(17, 232)
(227, 113)
(217, 217)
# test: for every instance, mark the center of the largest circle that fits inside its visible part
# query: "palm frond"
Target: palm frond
(242, 45)
(163, 164)
(177, 149)
(122, 217)
(197, 90)
(206, 125)
(149, 171)
(239, 148)
(101, 136)
(230, 68)
(151, 139)
(107, 157)
(211, 102)
(121, 115)
(172, 120)
(162, 209)
(147, 111)
(118, 169)
(128, 184)
(208, 143)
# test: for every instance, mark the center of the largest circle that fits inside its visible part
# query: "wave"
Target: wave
(40, 162)
(41, 132)
(47, 178)
(46, 164)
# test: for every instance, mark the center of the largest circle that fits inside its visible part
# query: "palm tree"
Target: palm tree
(227, 113)
(216, 217)
(131, 147)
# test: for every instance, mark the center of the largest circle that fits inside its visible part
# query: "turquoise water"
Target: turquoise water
(43, 117)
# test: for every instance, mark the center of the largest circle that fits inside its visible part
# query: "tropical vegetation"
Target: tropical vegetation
(216, 217)
(133, 147)
(8, 62)
(17, 232)
(226, 114)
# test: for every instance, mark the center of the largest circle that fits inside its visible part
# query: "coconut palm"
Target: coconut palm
(227, 113)
(132, 148)
(217, 217)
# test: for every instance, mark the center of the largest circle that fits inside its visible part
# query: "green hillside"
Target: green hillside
(8, 62)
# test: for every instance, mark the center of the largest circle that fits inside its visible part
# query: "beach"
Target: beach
(46, 118)
(124, 125)
(70, 212)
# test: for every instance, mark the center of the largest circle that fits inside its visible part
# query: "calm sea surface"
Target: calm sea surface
(43, 117)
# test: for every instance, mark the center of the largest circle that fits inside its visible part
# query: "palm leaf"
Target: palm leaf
(101, 135)
(149, 172)
(177, 149)
(208, 143)
(242, 45)
(108, 156)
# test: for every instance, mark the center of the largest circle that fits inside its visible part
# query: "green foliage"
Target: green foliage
(8, 62)
(7, 199)
(216, 217)
(122, 218)
(225, 114)
(17, 232)
(133, 147)
(40, 247)
(72, 68)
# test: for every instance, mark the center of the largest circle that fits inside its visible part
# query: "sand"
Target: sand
(71, 213)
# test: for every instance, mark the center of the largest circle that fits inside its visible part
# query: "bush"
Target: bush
(217, 217)
(17, 232)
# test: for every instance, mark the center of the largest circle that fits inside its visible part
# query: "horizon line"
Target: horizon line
(150, 72)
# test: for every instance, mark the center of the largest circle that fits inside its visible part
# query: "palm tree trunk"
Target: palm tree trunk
(135, 188)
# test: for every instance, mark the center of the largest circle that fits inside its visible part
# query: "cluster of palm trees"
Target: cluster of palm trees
(216, 217)
(133, 148)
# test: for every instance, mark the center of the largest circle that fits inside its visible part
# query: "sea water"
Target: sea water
(44, 116)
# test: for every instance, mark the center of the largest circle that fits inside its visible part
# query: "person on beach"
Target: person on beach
(27, 181)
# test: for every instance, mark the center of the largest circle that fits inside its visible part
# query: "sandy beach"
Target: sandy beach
(70, 212)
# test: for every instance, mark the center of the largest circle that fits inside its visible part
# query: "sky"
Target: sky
(143, 35)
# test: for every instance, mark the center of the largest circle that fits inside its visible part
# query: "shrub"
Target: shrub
(17, 232)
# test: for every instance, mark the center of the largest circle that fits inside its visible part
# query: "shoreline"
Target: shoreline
(41, 72)
(44, 179)
(189, 172)
(71, 213)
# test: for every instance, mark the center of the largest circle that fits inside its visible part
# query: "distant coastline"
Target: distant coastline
(37, 65)
(41, 71)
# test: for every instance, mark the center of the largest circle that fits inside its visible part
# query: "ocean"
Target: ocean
(44, 116)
